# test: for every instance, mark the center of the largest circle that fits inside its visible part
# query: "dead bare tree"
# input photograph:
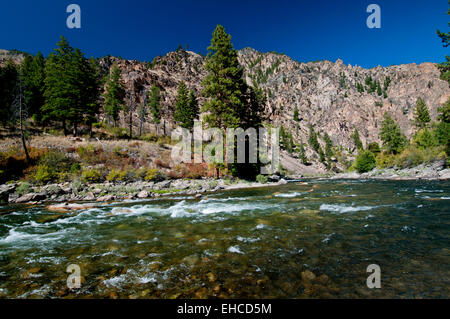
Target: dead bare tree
(20, 112)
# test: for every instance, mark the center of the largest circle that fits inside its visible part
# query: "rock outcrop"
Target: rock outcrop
(325, 93)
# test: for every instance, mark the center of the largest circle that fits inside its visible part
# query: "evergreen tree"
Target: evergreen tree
(445, 66)
(328, 146)
(421, 115)
(313, 141)
(114, 94)
(142, 115)
(193, 109)
(296, 118)
(443, 127)
(224, 86)
(92, 91)
(230, 102)
(321, 155)
(356, 139)
(181, 114)
(20, 112)
(154, 103)
(8, 77)
(379, 90)
(393, 139)
(302, 153)
(33, 71)
(71, 89)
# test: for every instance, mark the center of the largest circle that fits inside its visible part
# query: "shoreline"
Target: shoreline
(63, 194)
(68, 193)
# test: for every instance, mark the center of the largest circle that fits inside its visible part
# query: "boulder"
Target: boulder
(32, 197)
(143, 194)
(90, 196)
(5, 190)
(106, 198)
(274, 178)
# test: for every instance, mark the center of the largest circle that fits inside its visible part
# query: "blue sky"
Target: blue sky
(306, 30)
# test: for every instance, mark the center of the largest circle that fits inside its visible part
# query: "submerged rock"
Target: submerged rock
(66, 207)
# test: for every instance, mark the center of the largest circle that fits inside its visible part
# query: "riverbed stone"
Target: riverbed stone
(308, 275)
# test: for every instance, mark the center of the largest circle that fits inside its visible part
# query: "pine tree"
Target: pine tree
(313, 141)
(422, 114)
(193, 109)
(8, 77)
(443, 127)
(92, 83)
(393, 139)
(181, 114)
(154, 103)
(356, 140)
(445, 66)
(33, 71)
(224, 86)
(302, 153)
(20, 112)
(379, 90)
(142, 115)
(328, 146)
(71, 89)
(296, 118)
(114, 94)
(230, 102)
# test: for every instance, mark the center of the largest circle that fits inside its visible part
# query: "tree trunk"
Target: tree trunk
(131, 125)
(65, 128)
(75, 129)
(22, 133)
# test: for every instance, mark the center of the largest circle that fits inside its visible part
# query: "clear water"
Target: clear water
(252, 243)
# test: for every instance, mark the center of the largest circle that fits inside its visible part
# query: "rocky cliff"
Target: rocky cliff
(333, 97)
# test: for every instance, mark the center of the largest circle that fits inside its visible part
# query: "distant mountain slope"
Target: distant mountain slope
(333, 97)
(325, 93)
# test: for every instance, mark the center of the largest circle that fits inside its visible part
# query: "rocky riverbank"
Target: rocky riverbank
(434, 171)
(106, 192)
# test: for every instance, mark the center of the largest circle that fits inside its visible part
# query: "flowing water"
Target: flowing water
(254, 243)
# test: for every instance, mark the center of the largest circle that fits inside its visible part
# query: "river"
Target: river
(301, 240)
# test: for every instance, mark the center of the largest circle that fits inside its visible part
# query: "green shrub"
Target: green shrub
(85, 153)
(23, 189)
(425, 139)
(385, 160)
(91, 176)
(44, 174)
(262, 179)
(413, 156)
(374, 148)
(365, 162)
(56, 161)
(116, 176)
(76, 167)
(153, 175)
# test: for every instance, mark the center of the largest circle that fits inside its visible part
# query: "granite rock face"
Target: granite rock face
(325, 94)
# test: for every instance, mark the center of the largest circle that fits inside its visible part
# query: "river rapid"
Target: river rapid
(301, 240)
